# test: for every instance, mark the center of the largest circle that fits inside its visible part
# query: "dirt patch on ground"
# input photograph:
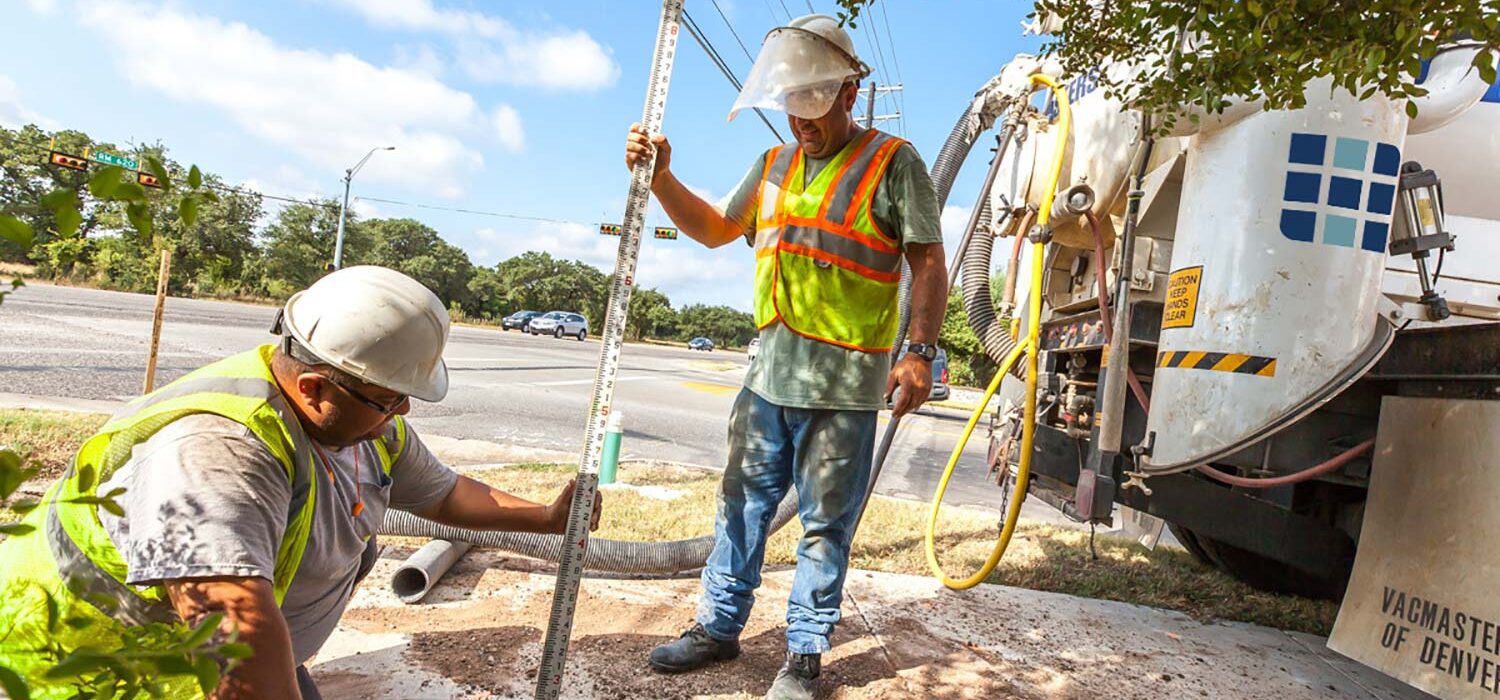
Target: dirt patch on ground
(471, 657)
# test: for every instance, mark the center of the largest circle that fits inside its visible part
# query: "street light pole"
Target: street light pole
(338, 246)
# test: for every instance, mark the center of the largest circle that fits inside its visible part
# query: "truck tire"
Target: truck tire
(1190, 542)
(1263, 573)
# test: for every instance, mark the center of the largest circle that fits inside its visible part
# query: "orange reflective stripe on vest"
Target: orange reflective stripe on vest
(824, 267)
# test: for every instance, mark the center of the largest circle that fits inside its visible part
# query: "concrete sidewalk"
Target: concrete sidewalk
(478, 635)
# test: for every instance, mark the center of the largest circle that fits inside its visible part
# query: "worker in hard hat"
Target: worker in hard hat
(831, 217)
(253, 487)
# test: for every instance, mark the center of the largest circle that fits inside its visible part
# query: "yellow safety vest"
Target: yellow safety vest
(823, 266)
(69, 556)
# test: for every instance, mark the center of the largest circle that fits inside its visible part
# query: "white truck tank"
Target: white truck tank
(1272, 304)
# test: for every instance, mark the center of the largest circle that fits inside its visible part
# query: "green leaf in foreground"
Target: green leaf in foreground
(195, 177)
(207, 671)
(157, 168)
(16, 231)
(68, 221)
(13, 685)
(15, 529)
(77, 664)
(188, 210)
(105, 183)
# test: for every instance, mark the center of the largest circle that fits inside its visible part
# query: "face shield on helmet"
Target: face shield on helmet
(797, 72)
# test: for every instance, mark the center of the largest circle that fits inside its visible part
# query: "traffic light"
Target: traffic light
(67, 161)
(147, 179)
(609, 229)
(666, 232)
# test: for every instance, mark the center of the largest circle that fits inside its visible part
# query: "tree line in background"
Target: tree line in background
(235, 249)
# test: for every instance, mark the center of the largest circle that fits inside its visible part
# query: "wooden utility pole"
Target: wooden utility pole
(162, 274)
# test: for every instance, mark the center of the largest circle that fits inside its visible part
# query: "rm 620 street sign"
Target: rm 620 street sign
(112, 159)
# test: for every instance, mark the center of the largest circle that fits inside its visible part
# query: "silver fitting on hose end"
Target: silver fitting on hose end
(1040, 233)
(1074, 201)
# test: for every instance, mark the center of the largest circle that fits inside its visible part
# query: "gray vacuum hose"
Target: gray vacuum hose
(614, 556)
(979, 305)
(945, 169)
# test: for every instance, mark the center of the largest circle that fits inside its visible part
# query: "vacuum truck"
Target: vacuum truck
(1275, 332)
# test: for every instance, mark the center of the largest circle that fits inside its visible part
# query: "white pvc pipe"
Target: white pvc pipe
(423, 569)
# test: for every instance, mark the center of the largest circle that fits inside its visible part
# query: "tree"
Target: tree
(539, 282)
(1257, 49)
(721, 324)
(28, 178)
(968, 363)
(416, 249)
(299, 244)
(651, 315)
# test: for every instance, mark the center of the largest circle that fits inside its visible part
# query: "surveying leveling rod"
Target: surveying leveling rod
(575, 541)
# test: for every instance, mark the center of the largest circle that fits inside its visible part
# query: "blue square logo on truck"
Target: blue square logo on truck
(1359, 194)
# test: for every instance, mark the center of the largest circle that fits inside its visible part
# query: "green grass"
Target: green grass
(891, 539)
(1040, 557)
(47, 438)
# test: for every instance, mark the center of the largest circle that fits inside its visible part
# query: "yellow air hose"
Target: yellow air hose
(1033, 328)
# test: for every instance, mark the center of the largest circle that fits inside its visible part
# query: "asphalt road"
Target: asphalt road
(70, 343)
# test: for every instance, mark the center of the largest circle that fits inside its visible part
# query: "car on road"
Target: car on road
(559, 324)
(940, 390)
(519, 320)
(754, 348)
(701, 343)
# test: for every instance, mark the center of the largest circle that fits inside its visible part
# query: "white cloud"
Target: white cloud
(571, 60)
(508, 129)
(492, 50)
(420, 58)
(328, 108)
(955, 219)
(13, 114)
(42, 7)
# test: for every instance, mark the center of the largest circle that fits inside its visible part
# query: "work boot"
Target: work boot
(693, 650)
(797, 678)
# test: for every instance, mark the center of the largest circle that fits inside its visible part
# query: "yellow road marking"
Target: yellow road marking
(708, 388)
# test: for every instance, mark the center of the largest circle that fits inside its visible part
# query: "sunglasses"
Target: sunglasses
(383, 409)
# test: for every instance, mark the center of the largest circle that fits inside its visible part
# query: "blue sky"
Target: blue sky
(515, 107)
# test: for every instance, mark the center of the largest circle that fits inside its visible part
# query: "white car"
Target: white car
(559, 324)
(754, 348)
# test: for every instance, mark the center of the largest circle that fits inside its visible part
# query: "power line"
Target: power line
(891, 39)
(478, 212)
(718, 60)
(783, 9)
(810, 9)
(732, 31)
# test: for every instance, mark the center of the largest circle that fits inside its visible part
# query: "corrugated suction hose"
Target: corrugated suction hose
(615, 556)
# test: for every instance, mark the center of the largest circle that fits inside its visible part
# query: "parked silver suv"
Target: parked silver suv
(559, 324)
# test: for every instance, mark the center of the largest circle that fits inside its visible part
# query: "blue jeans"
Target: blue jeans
(825, 455)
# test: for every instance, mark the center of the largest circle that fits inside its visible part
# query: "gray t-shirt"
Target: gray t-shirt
(797, 372)
(204, 497)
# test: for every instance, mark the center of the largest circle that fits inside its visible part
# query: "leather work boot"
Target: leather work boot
(797, 678)
(693, 650)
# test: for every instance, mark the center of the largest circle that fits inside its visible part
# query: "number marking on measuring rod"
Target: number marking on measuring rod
(575, 542)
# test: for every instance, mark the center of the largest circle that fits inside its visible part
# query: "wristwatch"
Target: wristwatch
(926, 351)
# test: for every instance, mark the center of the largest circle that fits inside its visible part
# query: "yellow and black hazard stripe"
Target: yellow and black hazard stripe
(1218, 362)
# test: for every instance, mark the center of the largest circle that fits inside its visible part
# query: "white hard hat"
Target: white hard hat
(801, 68)
(377, 325)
